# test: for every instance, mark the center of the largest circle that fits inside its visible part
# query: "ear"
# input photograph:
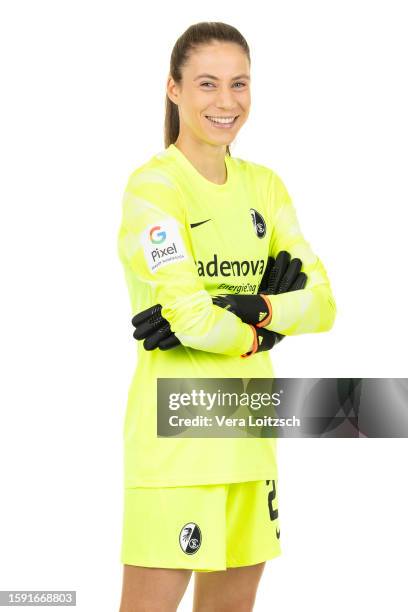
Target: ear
(172, 89)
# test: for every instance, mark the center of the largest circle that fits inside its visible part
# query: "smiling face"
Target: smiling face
(215, 86)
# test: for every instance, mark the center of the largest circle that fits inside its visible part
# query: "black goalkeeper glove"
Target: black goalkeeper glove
(280, 276)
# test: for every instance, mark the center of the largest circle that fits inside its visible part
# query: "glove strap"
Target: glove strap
(269, 317)
(255, 344)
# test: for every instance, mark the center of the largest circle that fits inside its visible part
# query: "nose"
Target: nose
(225, 98)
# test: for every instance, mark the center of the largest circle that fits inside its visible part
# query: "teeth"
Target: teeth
(221, 119)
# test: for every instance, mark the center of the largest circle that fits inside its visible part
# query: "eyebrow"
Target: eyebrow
(211, 76)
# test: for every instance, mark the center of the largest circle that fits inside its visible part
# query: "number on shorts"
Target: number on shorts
(273, 512)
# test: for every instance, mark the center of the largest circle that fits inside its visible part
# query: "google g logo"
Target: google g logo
(159, 237)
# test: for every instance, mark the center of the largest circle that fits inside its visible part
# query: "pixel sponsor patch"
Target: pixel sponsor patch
(163, 244)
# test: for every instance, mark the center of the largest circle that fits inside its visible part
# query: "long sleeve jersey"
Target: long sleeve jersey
(181, 240)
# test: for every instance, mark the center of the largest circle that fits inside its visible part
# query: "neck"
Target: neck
(207, 159)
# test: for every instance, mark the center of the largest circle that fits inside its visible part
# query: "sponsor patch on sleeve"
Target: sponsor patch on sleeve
(163, 244)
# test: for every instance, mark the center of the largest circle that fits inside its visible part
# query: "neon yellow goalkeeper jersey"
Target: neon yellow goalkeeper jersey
(181, 240)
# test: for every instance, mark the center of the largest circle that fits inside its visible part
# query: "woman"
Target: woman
(198, 222)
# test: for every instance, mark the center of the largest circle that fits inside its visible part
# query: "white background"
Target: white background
(83, 106)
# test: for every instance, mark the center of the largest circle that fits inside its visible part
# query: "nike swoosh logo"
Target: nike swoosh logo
(199, 223)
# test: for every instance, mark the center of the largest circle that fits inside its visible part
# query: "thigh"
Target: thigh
(152, 589)
(233, 589)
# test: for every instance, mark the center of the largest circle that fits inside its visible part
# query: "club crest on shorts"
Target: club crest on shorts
(190, 538)
(258, 223)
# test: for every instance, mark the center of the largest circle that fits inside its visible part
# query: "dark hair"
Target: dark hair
(197, 34)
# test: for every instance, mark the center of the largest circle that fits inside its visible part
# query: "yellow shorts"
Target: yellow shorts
(204, 528)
